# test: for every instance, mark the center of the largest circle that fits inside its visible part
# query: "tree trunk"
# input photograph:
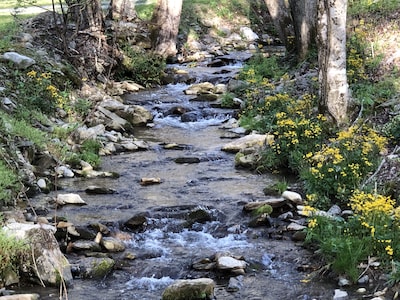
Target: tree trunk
(281, 17)
(334, 89)
(122, 10)
(304, 15)
(87, 15)
(166, 19)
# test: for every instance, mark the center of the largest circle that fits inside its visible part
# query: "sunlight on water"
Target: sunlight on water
(162, 243)
(199, 124)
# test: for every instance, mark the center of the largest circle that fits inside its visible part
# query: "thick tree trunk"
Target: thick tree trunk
(122, 10)
(334, 89)
(280, 14)
(304, 15)
(165, 22)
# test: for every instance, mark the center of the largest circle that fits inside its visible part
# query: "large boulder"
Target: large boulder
(194, 289)
(49, 265)
(136, 115)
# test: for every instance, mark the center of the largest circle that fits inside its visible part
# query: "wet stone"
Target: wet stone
(137, 223)
(235, 283)
(82, 245)
(112, 244)
(187, 160)
(98, 190)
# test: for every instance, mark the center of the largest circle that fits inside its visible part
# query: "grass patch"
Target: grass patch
(8, 184)
(12, 252)
(23, 3)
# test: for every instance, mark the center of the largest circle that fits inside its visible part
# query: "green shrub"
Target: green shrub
(392, 129)
(227, 100)
(11, 254)
(142, 67)
(89, 152)
(259, 67)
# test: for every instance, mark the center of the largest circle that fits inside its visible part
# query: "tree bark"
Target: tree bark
(87, 15)
(304, 15)
(122, 10)
(334, 89)
(166, 19)
(282, 19)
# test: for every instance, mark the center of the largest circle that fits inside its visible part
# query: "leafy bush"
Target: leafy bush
(11, 253)
(392, 129)
(142, 67)
(259, 67)
(89, 152)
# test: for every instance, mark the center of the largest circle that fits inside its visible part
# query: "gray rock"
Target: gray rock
(194, 289)
(50, 264)
(99, 190)
(187, 160)
(335, 210)
(293, 197)
(295, 227)
(247, 141)
(21, 61)
(340, 295)
(83, 133)
(95, 267)
(64, 171)
(84, 245)
(42, 183)
(200, 88)
(70, 198)
(112, 244)
(248, 34)
(235, 283)
(230, 263)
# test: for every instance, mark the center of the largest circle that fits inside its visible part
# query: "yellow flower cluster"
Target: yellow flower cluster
(43, 81)
(367, 205)
(312, 223)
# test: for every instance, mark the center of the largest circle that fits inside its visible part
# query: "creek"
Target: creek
(167, 247)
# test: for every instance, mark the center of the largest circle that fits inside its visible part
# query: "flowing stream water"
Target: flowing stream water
(166, 249)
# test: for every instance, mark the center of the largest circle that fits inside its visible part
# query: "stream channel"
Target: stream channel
(166, 248)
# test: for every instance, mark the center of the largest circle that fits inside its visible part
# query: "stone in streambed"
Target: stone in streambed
(70, 198)
(112, 244)
(93, 189)
(94, 267)
(190, 289)
(187, 160)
